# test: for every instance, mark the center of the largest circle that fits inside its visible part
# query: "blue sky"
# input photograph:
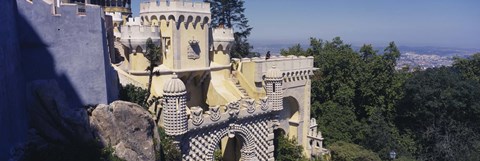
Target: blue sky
(444, 23)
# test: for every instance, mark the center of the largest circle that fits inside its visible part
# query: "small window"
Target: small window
(274, 87)
(178, 105)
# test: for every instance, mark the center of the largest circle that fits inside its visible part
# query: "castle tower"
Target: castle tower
(273, 83)
(222, 42)
(175, 108)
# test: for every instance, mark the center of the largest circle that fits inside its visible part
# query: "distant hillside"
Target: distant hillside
(425, 50)
(422, 57)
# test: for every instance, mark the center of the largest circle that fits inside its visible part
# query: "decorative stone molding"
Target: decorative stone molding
(193, 51)
(249, 104)
(233, 108)
(315, 139)
(263, 103)
(196, 116)
(215, 113)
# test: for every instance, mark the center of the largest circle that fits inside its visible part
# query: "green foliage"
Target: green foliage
(153, 51)
(153, 56)
(133, 94)
(230, 13)
(359, 97)
(169, 151)
(217, 155)
(469, 67)
(294, 50)
(342, 151)
(354, 94)
(287, 149)
(441, 109)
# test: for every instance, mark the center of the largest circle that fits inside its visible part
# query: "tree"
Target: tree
(287, 149)
(354, 94)
(367, 52)
(153, 56)
(294, 50)
(441, 109)
(231, 14)
(169, 150)
(342, 151)
(469, 67)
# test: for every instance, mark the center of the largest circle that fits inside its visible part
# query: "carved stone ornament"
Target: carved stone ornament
(193, 51)
(197, 116)
(249, 104)
(215, 113)
(263, 103)
(233, 108)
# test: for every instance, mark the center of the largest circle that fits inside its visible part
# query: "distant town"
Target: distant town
(412, 57)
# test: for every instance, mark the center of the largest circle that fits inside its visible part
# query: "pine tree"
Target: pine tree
(230, 13)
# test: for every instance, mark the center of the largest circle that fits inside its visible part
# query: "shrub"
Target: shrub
(133, 94)
(343, 151)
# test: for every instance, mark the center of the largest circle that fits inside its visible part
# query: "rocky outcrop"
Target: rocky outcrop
(126, 127)
(57, 129)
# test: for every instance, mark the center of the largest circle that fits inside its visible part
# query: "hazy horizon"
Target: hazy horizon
(441, 23)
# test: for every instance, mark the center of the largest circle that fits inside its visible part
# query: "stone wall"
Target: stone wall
(13, 119)
(69, 45)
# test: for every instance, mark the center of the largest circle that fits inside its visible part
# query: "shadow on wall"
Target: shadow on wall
(52, 81)
(38, 63)
(13, 119)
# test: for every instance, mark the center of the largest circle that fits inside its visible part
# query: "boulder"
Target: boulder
(128, 128)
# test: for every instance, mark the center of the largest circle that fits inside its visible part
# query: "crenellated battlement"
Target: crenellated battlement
(174, 6)
(153, 12)
(134, 35)
(292, 67)
(136, 21)
(66, 9)
(222, 38)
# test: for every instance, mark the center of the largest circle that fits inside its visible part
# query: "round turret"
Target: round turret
(274, 73)
(274, 85)
(174, 112)
(174, 86)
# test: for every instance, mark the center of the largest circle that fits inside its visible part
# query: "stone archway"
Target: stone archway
(234, 130)
(255, 136)
(231, 148)
(293, 115)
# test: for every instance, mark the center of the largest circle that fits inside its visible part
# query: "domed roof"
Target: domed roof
(174, 86)
(274, 73)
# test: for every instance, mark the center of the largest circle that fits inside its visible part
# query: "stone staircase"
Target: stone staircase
(239, 87)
